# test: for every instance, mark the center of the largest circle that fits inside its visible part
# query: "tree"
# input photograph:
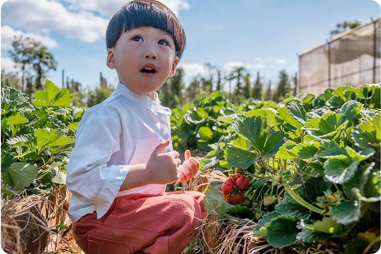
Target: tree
(344, 26)
(10, 79)
(247, 87)
(237, 74)
(283, 86)
(257, 93)
(30, 54)
(269, 92)
(171, 92)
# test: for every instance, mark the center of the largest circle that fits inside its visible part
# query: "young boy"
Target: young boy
(123, 157)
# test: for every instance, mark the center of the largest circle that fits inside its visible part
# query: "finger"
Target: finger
(160, 148)
(182, 177)
(192, 166)
(177, 162)
(174, 154)
(194, 162)
(187, 154)
(186, 171)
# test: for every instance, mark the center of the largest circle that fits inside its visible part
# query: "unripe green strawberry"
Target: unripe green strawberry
(269, 200)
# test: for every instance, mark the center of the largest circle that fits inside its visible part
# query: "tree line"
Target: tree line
(34, 61)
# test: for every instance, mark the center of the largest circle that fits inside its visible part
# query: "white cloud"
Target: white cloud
(108, 8)
(193, 70)
(7, 34)
(8, 65)
(45, 16)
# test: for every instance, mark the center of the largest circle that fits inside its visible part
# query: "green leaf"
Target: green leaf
(214, 202)
(328, 126)
(305, 150)
(347, 212)
(205, 133)
(282, 231)
(315, 187)
(53, 96)
(289, 118)
(297, 111)
(51, 138)
(311, 236)
(351, 110)
(242, 211)
(289, 207)
(367, 134)
(340, 171)
(22, 174)
(327, 225)
(358, 180)
(17, 119)
(261, 227)
(239, 157)
(285, 151)
(6, 160)
(372, 187)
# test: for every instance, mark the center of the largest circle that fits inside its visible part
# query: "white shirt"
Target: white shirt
(123, 130)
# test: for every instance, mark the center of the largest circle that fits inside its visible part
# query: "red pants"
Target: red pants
(142, 223)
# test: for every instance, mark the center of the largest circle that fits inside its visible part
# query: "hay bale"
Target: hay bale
(26, 222)
(24, 229)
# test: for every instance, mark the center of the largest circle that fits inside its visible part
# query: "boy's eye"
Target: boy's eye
(163, 42)
(137, 38)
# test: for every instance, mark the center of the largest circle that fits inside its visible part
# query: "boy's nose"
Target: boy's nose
(150, 53)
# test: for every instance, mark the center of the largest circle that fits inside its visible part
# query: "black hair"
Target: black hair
(151, 13)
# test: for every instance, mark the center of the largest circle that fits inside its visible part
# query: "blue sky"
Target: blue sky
(262, 35)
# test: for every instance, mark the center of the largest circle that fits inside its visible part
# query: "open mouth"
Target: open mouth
(148, 70)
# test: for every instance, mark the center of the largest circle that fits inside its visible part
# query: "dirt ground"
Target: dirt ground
(68, 245)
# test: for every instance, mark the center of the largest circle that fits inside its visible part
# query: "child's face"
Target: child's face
(144, 58)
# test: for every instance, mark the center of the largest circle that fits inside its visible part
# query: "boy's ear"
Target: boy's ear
(111, 58)
(174, 65)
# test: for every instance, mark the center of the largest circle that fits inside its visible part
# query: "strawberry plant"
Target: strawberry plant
(313, 165)
(37, 138)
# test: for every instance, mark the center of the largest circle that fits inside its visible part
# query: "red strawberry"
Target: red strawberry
(228, 186)
(242, 182)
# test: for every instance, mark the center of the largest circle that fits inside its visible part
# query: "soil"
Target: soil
(68, 245)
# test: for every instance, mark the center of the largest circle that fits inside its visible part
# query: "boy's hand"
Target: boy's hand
(162, 167)
(189, 168)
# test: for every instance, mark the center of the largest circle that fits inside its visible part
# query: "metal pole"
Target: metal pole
(329, 64)
(374, 51)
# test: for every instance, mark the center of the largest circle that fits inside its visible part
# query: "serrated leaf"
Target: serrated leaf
(358, 180)
(17, 119)
(22, 174)
(328, 126)
(347, 212)
(282, 232)
(242, 211)
(289, 207)
(6, 160)
(340, 171)
(214, 202)
(311, 236)
(367, 134)
(261, 227)
(351, 110)
(239, 157)
(205, 132)
(327, 225)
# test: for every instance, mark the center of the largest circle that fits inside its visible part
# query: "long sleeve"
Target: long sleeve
(89, 177)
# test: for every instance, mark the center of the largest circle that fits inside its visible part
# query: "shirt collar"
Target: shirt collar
(143, 100)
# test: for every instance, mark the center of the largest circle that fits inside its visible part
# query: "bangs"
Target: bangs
(145, 13)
